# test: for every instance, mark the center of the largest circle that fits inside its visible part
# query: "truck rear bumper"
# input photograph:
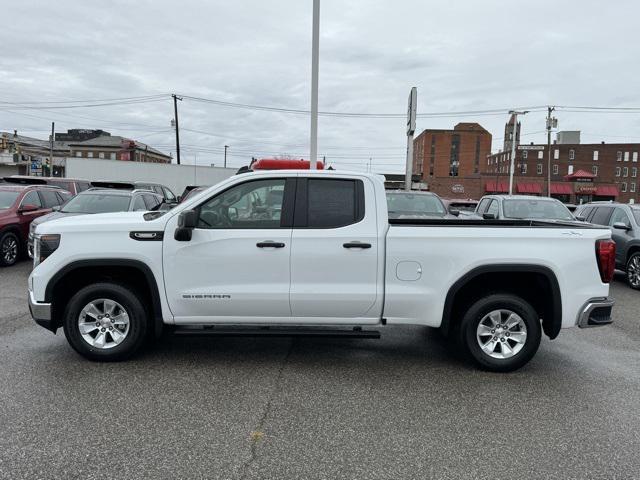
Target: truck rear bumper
(41, 313)
(596, 313)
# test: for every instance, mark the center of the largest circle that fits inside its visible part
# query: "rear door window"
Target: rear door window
(334, 203)
(602, 215)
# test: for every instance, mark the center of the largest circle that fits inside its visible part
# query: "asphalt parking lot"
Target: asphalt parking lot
(399, 407)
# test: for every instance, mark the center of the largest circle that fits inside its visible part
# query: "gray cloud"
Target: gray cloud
(465, 55)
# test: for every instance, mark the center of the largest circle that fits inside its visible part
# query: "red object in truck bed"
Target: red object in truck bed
(283, 164)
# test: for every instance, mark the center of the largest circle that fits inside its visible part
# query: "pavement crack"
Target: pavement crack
(258, 433)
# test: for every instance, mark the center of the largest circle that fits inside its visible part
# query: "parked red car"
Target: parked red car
(19, 205)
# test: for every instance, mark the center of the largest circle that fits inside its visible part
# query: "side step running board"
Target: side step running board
(276, 332)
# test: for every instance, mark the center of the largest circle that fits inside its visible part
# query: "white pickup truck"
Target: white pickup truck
(314, 253)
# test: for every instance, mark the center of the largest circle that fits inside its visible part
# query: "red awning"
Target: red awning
(561, 189)
(533, 188)
(607, 191)
(498, 187)
(580, 174)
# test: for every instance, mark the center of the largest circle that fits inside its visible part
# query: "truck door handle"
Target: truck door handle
(356, 245)
(270, 244)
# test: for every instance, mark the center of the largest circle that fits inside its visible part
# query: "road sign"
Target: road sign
(530, 147)
(411, 111)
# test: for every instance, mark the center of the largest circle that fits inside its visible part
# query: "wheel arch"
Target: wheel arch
(63, 285)
(514, 278)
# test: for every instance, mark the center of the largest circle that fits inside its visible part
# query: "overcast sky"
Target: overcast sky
(463, 55)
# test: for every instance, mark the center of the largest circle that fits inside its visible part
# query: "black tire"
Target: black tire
(9, 249)
(127, 299)
(508, 303)
(632, 271)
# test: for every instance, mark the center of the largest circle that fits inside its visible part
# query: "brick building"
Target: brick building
(113, 147)
(451, 162)
(579, 172)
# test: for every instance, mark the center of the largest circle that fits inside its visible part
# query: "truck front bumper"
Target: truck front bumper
(41, 313)
(596, 313)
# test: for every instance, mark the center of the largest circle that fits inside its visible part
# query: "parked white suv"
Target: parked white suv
(314, 253)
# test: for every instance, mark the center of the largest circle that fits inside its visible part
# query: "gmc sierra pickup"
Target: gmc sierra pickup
(314, 252)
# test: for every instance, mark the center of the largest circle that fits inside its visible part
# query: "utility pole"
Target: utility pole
(551, 122)
(175, 118)
(53, 128)
(225, 155)
(514, 136)
(315, 54)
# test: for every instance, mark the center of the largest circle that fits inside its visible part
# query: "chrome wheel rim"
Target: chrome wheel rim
(103, 323)
(10, 250)
(501, 334)
(633, 271)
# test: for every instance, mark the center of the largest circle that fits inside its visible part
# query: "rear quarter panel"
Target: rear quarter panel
(445, 254)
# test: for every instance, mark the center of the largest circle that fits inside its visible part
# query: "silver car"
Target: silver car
(98, 200)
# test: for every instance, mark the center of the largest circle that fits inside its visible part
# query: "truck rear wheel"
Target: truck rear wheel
(105, 322)
(501, 332)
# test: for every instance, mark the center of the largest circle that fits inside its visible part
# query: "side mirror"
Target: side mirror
(621, 226)
(187, 221)
(489, 216)
(56, 208)
(28, 208)
(455, 213)
(581, 218)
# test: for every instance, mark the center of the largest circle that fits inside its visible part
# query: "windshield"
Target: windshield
(414, 204)
(543, 209)
(7, 198)
(97, 203)
(636, 214)
(463, 207)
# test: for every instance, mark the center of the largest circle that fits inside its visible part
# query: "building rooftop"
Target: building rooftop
(115, 141)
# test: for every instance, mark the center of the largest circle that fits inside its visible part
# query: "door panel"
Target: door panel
(235, 268)
(223, 273)
(328, 279)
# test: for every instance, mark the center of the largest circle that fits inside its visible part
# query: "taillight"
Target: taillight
(606, 255)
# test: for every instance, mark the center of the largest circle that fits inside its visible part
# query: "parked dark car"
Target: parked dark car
(162, 190)
(98, 200)
(415, 205)
(19, 206)
(624, 221)
(72, 185)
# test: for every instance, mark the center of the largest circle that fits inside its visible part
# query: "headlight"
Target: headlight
(44, 246)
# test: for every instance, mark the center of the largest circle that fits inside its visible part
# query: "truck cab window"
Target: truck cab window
(333, 203)
(254, 204)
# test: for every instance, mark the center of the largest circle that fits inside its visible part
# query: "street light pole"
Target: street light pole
(225, 155)
(315, 51)
(515, 114)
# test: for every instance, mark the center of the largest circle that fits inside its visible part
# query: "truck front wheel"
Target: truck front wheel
(500, 332)
(105, 322)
